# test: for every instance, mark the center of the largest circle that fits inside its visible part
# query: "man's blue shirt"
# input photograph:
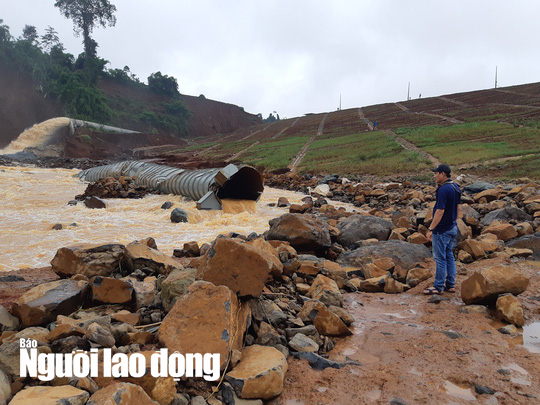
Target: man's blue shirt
(448, 197)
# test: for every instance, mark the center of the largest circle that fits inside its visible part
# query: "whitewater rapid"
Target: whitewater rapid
(38, 135)
(33, 200)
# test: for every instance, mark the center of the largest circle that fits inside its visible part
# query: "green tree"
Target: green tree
(163, 84)
(30, 34)
(50, 39)
(86, 14)
(4, 32)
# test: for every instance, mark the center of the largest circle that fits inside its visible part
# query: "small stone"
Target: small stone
(480, 390)
(452, 334)
(437, 299)
(302, 343)
(509, 330)
(166, 205)
(179, 215)
(98, 334)
(94, 203)
(57, 227)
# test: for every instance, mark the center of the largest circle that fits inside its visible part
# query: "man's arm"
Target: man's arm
(436, 219)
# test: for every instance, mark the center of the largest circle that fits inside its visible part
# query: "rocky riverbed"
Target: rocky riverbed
(325, 307)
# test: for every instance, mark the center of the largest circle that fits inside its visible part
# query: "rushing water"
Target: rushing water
(32, 200)
(37, 135)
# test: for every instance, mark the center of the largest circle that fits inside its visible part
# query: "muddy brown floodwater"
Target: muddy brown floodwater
(424, 353)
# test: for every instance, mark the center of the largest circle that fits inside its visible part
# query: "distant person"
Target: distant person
(374, 125)
(443, 231)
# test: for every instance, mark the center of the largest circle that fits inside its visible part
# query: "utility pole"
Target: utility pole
(339, 102)
(495, 76)
(408, 92)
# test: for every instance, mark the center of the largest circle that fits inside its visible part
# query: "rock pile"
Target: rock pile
(110, 187)
(256, 299)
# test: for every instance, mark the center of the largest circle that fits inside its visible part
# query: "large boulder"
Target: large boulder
(88, 260)
(121, 394)
(207, 319)
(361, 227)
(139, 255)
(42, 304)
(236, 264)
(175, 285)
(64, 394)
(404, 254)
(259, 374)
(505, 215)
(487, 284)
(478, 187)
(527, 242)
(304, 233)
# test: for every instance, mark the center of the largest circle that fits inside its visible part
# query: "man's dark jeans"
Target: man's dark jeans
(443, 243)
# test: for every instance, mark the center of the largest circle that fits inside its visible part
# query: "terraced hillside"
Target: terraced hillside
(495, 130)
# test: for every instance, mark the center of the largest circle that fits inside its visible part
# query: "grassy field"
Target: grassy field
(274, 155)
(512, 169)
(474, 142)
(366, 153)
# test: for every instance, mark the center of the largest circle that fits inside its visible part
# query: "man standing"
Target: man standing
(443, 231)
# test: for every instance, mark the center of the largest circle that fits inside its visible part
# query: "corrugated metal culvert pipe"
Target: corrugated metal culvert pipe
(206, 186)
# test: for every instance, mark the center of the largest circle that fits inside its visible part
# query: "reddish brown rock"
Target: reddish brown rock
(326, 322)
(417, 275)
(160, 389)
(392, 286)
(141, 338)
(375, 284)
(301, 231)
(325, 290)
(64, 331)
(502, 231)
(109, 290)
(42, 304)
(138, 255)
(487, 284)
(473, 248)
(488, 195)
(121, 394)
(509, 309)
(236, 264)
(270, 254)
(192, 248)
(88, 260)
(417, 238)
(126, 316)
(208, 311)
(145, 291)
(259, 374)
(64, 394)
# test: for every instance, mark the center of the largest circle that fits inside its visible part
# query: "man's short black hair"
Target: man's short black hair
(442, 169)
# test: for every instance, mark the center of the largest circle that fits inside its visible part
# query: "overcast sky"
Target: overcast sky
(298, 56)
